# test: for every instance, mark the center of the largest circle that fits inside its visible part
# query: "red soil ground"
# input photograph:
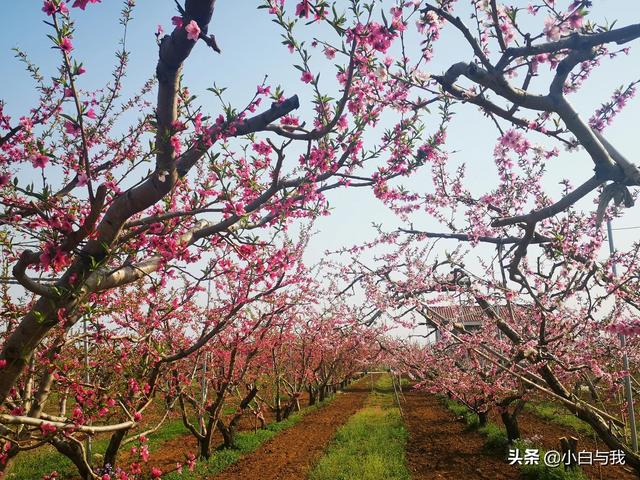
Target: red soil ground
(291, 454)
(440, 447)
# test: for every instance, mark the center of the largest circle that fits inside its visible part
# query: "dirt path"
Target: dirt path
(291, 454)
(439, 447)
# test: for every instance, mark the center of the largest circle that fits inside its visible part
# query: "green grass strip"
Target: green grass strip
(559, 415)
(370, 446)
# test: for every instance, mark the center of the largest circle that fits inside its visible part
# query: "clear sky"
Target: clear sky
(251, 48)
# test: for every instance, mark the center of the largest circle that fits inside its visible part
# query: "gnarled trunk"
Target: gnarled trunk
(482, 418)
(511, 424)
(312, 395)
(75, 452)
(204, 441)
(229, 432)
(115, 442)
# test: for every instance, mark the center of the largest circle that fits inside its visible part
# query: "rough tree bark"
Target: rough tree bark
(229, 431)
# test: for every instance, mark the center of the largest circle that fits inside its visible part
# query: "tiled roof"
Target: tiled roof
(472, 314)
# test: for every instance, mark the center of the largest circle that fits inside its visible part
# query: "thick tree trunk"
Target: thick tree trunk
(74, 452)
(110, 455)
(482, 418)
(602, 429)
(204, 440)
(511, 424)
(228, 434)
(288, 410)
(312, 395)
(569, 450)
(592, 418)
(204, 445)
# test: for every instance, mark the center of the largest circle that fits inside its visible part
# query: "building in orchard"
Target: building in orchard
(467, 317)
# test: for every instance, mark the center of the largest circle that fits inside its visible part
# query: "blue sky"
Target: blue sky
(251, 48)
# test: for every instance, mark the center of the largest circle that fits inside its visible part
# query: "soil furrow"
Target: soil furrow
(291, 454)
(440, 447)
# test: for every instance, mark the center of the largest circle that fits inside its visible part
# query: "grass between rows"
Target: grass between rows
(560, 416)
(496, 442)
(370, 446)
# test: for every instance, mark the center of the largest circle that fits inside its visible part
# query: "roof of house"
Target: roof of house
(471, 314)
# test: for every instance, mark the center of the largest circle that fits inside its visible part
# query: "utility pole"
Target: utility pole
(204, 372)
(87, 379)
(625, 359)
(204, 391)
(500, 249)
